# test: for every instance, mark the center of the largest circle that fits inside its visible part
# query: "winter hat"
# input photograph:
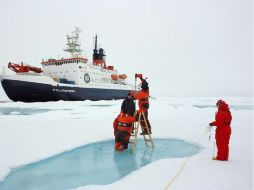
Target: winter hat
(129, 96)
(128, 107)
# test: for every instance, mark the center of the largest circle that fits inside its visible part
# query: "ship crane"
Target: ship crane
(23, 68)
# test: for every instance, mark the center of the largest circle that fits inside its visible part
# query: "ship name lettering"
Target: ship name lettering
(63, 90)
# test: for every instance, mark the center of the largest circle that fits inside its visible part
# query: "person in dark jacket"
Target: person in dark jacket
(128, 105)
(123, 124)
(222, 122)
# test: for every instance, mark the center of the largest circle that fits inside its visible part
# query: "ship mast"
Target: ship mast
(74, 44)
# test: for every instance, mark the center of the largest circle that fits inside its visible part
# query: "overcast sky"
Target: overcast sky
(184, 47)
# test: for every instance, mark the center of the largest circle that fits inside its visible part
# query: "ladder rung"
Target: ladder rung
(146, 134)
(148, 140)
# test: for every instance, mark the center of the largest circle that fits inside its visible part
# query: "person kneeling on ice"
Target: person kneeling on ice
(123, 124)
(223, 131)
(143, 103)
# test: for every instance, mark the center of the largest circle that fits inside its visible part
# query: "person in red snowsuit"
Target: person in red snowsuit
(123, 124)
(143, 103)
(223, 131)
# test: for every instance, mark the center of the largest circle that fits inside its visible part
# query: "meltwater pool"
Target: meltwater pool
(93, 164)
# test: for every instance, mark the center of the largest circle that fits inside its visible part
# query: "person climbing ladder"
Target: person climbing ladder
(143, 102)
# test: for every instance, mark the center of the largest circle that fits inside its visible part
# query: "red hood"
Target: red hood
(223, 107)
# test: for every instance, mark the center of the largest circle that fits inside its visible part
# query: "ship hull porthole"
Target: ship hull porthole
(86, 78)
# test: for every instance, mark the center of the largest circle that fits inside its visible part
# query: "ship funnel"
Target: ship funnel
(98, 55)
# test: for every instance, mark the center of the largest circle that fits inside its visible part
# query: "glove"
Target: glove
(132, 93)
(210, 124)
(138, 76)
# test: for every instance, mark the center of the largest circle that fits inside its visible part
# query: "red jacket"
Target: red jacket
(123, 122)
(142, 97)
(222, 120)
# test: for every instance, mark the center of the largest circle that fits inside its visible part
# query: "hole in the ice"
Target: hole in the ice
(176, 105)
(103, 105)
(21, 111)
(24, 111)
(5, 101)
(204, 106)
(241, 107)
(96, 164)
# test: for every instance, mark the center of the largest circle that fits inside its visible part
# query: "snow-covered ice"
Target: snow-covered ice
(34, 131)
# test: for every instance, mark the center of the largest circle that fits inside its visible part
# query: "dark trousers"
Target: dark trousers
(142, 121)
(123, 137)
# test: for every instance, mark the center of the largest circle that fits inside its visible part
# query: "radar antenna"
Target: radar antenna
(73, 44)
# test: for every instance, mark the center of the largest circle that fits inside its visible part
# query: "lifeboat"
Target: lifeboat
(123, 76)
(114, 77)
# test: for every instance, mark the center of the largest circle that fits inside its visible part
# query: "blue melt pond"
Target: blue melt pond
(96, 164)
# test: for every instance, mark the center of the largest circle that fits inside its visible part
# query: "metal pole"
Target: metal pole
(210, 134)
(135, 89)
(213, 148)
